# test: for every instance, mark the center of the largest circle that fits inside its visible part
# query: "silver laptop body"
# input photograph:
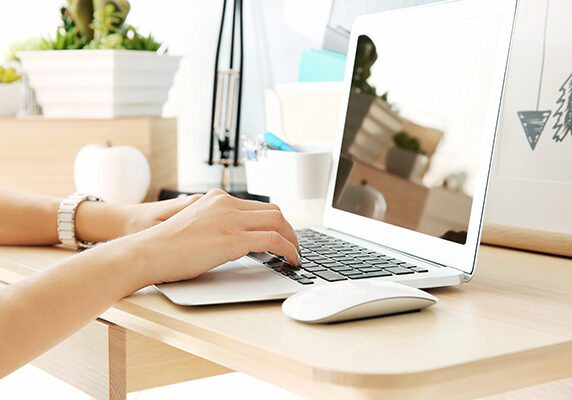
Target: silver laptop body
(422, 93)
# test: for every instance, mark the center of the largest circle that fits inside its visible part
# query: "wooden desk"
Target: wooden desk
(510, 327)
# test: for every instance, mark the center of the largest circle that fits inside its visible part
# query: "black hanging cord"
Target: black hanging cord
(224, 143)
(237, 129)
(215, 84)
(232, 34)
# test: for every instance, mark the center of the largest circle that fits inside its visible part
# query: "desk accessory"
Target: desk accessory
(108, 69)
(275, 143)
(303, 112)
(227, 95)
(288, 174)
(321, 66)
(531, 182)
(350, 300)
(118, 174)
(226, 107)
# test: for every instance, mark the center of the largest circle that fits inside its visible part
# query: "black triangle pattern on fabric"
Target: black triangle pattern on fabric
(533, 123)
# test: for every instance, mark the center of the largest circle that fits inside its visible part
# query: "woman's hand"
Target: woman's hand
(211, 230)
(100, 222)
(195, 235)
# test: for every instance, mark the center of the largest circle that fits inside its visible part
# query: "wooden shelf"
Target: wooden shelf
(37, 154)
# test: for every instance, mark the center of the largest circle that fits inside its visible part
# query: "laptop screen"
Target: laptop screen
(414, 125)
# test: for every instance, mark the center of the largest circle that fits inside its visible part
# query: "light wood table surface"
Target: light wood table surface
(510, 327)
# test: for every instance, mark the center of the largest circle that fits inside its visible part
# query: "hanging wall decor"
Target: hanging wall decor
(530, 195)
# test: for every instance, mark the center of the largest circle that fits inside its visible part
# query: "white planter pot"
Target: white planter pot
(100, 83)
(10, 98)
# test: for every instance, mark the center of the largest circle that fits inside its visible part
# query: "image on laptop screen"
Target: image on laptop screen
(414, 126)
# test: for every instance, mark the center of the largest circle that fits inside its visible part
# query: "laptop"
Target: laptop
(413, 150)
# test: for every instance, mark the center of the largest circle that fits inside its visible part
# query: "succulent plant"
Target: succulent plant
(9, 75)
(28, 44)
(68, 36)
(407, 142)
(95, 24)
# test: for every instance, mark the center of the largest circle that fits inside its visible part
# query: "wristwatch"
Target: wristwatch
(66, 221)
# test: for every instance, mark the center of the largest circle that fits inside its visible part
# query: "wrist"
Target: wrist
(99, 222)
(120, 260)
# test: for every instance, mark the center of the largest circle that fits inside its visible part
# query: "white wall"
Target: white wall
(275, 33)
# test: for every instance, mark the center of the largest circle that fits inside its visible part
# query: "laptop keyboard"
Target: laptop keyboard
(335, 259)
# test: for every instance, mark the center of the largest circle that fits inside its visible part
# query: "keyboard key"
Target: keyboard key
(398, 270)
(330, 276)
(362, 265)
(344, 259)
(353, 261)
(321, 260)
(342, 248)
(314, 269)
(305, 281)
(278, 264)
(331, 264)
(263, 257)
(369, 269)
(375, 274)
(351, 272)
(379, 262)
(306, 264)
(342, 268)
(407, 265)
(419, 269)
(308, 276)
(289, 274)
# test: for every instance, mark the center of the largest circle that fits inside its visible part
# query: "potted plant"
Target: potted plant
(10, 92)
(97, 66)
(406, 158)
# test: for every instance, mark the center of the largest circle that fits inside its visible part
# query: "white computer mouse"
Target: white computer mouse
(347, 300)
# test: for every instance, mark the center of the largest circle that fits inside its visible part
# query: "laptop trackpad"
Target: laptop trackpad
(236, 281)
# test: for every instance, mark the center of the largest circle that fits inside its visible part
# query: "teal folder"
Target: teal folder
(321, 66)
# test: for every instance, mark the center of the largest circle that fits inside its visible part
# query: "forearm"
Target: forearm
(39, 312)
(27, 219)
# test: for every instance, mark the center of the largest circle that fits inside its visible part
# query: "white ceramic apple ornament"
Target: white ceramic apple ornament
(117, 174)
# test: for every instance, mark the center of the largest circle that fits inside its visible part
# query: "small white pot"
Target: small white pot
(285, 174)
(10, 98)
(100, 83)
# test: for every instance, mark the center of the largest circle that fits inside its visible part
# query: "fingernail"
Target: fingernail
(299, 260)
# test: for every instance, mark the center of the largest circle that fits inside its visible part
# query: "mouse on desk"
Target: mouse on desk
(349, 300)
